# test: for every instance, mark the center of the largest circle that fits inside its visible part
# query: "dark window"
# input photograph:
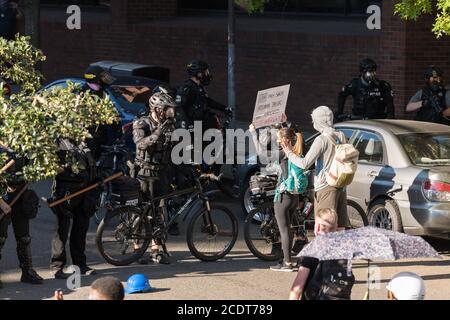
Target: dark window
(290, 6)
(77, 2)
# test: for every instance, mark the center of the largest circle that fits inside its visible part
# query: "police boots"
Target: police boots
(24, 255)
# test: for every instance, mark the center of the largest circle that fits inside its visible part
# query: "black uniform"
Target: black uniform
(105, 135)
(79, 209)
(22, 211)
(435, 100)
(153, 150)
(371, 101)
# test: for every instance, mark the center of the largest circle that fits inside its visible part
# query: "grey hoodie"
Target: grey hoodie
(321, 152)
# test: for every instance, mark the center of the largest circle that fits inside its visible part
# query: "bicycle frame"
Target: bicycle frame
(196, 195)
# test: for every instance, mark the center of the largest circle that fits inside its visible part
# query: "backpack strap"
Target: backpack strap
(335, 141)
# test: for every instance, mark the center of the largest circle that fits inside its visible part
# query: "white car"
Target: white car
(403, 176)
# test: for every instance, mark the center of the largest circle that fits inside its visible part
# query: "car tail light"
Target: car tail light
(436, 190)
(127, 127)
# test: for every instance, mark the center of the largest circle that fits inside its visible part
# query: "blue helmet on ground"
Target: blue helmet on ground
(138, 283)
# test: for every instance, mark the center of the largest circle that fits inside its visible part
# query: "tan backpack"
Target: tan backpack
(343, 166)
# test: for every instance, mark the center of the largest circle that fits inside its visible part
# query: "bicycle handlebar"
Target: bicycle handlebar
(210, 176)
(114, 148)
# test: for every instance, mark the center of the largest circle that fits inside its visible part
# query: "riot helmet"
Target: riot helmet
(199, 70)
(368, 70)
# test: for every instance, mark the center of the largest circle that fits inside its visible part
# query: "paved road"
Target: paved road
(239, 276)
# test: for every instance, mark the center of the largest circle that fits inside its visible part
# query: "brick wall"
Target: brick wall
(316, 65)
(139, 10)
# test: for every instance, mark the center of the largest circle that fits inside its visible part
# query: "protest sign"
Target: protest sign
(270, 106)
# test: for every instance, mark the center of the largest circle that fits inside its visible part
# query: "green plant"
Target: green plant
(252, 6)
(31, 121)
(413, 9)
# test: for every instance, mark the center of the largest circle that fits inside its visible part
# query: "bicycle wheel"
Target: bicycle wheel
(262, 235)
(101, 211)
(356, 215)
(212, 239)
(124, 236)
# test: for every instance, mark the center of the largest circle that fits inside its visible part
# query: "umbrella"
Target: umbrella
(368, 243)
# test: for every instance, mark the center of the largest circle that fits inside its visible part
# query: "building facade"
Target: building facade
(315, 48)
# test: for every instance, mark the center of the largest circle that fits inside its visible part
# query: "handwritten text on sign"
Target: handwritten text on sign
(270, 106)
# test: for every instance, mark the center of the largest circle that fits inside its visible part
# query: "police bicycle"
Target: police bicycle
(113, 160)
(127, 231)
(261, 232)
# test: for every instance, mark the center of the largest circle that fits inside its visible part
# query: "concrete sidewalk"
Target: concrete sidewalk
(239, 276)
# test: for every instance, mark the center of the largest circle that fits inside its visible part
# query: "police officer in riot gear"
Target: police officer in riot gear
(97, 80)
(21, 212)
(432, 102)
(194, 100)
(152, 136)
(73, 216)
(372, 98)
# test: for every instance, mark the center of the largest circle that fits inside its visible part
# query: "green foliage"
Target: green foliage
(18, 60)
(413, 9)
(31, 123)
(252, 6)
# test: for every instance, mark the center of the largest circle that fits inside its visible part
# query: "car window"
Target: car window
(347, 132)
(370, 147)
(427, 149)
(133, 99)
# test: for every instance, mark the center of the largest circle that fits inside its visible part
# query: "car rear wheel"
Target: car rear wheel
(385, 214)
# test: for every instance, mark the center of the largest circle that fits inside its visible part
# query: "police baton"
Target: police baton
(10, 205)
(4, 207)
(7, 166)
(76, 194)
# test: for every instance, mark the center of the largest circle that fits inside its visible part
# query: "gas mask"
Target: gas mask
(435, 84)
(163, 114)
(370, 76)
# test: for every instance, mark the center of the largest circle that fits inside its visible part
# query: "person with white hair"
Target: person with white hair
(321, 154)
(406, 286)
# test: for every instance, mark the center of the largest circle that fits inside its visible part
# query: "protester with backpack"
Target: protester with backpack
(333, 171)
(324, 280)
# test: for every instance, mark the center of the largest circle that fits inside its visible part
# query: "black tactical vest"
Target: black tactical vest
(158, 153)
(369, 101)
(432, 110)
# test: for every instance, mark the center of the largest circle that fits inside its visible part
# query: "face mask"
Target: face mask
(370, 76)
(170, 113)
(206, 78)
(94, 86)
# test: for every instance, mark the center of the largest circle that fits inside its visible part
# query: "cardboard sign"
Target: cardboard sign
(270, 106)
